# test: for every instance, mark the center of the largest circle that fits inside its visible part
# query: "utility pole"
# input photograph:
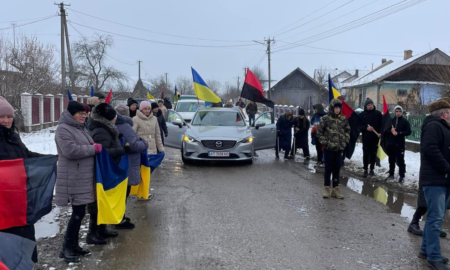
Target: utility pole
(238, 84)
(166, 80)
(62, 13)
(69, 55)
(268, 42)
(139, 62)
(245, 73)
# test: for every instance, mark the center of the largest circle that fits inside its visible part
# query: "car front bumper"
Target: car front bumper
(196, 151)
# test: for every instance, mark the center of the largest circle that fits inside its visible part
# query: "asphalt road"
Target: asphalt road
(269, 215)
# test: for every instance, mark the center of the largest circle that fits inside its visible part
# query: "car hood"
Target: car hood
(186, 115)
(210, 132)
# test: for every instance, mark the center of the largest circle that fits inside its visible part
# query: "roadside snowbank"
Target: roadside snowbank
(42, 141)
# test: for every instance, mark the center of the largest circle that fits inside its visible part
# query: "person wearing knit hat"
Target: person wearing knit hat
(12, 147)
(371, 134)
(434, 177)
(75, 107)
(163, 108)
(396, 137)
(133, 106)
(101, 97)
(122, 110)
(301, 126)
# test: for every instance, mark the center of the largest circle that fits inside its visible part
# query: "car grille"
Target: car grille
(210, 144)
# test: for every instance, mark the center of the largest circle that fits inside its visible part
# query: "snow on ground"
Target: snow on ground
(42, 141)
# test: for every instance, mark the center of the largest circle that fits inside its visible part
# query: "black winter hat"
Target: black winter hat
(368, 101)
(154, 105)
(338, 105)
(105, 110)
(131, 101)
(75, 107)
(301, 111)
(99, 95)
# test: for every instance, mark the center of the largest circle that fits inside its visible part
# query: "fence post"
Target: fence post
(52, 107)
(61, 102)
(75, 97)
(25, 106)
(41, 108)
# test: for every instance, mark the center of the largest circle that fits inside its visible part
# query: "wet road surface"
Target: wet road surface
(269, 215)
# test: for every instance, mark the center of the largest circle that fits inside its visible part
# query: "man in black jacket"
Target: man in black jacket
(370, 139)
(161, 121)
(434, 177)
(396, 144)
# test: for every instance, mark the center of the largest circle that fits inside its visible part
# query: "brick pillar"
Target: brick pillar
(25, 106)
(52, 107)
(61, 102)
(41, 108)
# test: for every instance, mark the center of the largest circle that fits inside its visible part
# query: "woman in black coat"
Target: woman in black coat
(12, 147)
(301, 134)
(161, 121)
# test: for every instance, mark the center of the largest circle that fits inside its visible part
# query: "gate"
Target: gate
(57, 109)
(47, 110)
(34, 110)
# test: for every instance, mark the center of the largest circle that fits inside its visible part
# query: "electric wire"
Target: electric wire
(20, 25)
(29, 19)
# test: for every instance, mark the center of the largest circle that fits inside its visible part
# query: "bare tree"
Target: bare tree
(185, 85)
(321, 76)
(215, 86)
(159, 83)
(91, 67)
(440, 74)
(261, 75)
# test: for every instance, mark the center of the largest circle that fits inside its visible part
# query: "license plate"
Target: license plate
(219, 154)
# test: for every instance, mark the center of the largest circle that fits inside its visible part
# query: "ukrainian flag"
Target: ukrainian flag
(202, 90)
(111, 181)
(149, 96)
(333, 92)
(148, 164)
(175, 97)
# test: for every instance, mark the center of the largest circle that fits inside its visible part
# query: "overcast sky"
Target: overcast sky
(232, 22)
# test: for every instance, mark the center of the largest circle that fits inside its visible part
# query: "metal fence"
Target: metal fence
(416, 126)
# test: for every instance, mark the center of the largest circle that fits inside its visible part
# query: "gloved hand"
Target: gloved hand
(127, 148)
(98, 148)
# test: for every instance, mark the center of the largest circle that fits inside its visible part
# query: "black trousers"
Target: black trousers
(319, 151)
(27, 232)
(305, 150)
(420, 212)
(73, 227)
(396, 155)
(370, 154)
(333, 162)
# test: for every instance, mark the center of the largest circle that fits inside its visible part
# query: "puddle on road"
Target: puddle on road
(47, 226)
(400, 203)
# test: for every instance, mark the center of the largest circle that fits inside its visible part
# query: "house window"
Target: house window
(402, 92)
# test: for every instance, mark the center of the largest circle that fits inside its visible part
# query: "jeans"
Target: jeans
(250, 118)
(370, 154)
(396, 155)
(437, 198)
(332, 166)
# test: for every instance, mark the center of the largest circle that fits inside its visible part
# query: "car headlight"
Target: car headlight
(247, 140)
(190, 139)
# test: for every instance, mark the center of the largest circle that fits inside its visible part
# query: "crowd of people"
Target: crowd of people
(82, 132)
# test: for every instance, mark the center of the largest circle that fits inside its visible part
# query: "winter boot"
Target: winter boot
(92, 237)
(437, 265)
(326, 193)
(79, 250)
(287, 156)
(401, 179)
(336, 193)
(125, 224)
(307, 158)
(414, 228)
(424, 256)
(390, 178)
(365, 174)
(67, 253)
(105, 233)
(372, 173)
(443, 234)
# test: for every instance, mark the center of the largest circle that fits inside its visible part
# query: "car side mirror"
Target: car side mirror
(178, 123)
(259, 124)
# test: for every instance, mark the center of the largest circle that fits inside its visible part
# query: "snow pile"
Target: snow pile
(42, 141)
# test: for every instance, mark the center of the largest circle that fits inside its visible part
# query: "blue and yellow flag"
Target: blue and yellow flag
(202, 90)
(69, 95)
(112, 181)
(332, 90)
(148, 164)
(175, 97)
(149, 96)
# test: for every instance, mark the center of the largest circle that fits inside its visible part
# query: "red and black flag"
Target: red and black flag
(15, 252)
(26, 190)
(252, 90)
(356, 124)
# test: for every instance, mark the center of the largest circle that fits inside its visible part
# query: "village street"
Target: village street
(269, 215)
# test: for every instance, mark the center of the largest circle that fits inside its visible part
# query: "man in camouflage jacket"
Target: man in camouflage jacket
(334, 135)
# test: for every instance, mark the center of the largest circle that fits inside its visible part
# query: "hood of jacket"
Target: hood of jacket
(143, 116)
(333, 103)
(98, 121)
(320, 109)
(431, 118)
(67, 118)
(122, 119)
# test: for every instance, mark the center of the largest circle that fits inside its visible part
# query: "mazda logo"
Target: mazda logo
(218, 144)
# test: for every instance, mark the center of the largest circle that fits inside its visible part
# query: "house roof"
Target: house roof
(301, 71)
(435, 57)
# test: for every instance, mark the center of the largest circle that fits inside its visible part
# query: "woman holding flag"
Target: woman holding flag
(75, 176)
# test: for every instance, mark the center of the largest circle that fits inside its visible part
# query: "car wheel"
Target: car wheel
(185, 161)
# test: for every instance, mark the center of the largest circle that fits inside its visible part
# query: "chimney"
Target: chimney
(383, 60)
(356, 73)
(408, 54)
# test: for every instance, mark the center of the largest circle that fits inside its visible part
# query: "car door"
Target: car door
(264, 137)
(174, 138)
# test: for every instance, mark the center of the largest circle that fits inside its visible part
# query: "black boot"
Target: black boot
(372, 173)
(105, 233)
(286, 155)
(93, 238)
(415, 229)
(125, 225)
(437, 265)
(79, 250)
(401, 180)
(365, 174)
(443, 234)
(67, 253)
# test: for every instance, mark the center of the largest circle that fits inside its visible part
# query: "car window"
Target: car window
(173, 116)
(217, 118)
(265, 118)
(188, 106)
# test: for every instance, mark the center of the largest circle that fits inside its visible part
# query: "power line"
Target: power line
(119, 60)
(162, 42)
(304, 17)
(19, 25)
(155, 32)
(352, 25)
(341, 6)
(28, 19)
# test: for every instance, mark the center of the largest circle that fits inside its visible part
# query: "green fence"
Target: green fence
(416, 127)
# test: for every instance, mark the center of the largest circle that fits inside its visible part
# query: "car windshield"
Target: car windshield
(216, 118)
(188, 106)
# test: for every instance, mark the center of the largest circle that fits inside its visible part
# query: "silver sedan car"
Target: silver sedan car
(219, 134)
